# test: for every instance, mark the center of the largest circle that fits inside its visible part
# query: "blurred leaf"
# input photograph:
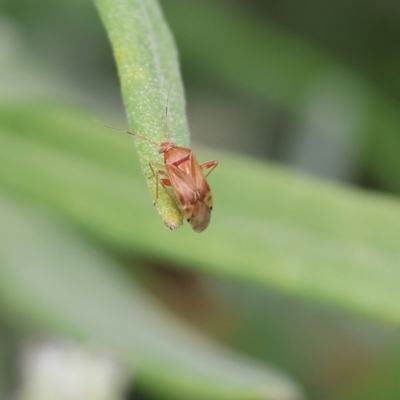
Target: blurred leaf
(272, 227)
(377, 382)
(269, 61)
(147, 64)
(8, 355)
(239, 49)
(55, 279)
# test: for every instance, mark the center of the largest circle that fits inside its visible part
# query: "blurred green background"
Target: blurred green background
(300, 267)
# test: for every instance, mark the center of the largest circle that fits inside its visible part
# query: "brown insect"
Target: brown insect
(188, 181)
(185, 176)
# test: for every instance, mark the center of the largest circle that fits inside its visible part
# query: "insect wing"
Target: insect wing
(202, 186)
(184, 188)
(200, 216)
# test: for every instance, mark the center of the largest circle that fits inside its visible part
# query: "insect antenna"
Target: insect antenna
(166, 111)
(129, 133)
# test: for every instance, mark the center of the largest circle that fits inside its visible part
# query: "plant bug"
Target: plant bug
(187, 178)
(188, 181)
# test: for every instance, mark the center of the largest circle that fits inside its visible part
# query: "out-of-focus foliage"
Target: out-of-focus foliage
(311, 84)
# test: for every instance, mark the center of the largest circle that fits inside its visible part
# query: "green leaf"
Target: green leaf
(147, 63)
(270, 226)
(57, 280)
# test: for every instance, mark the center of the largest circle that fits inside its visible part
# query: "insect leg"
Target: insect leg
(156, 174)
(164, 181)
(209, 165)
